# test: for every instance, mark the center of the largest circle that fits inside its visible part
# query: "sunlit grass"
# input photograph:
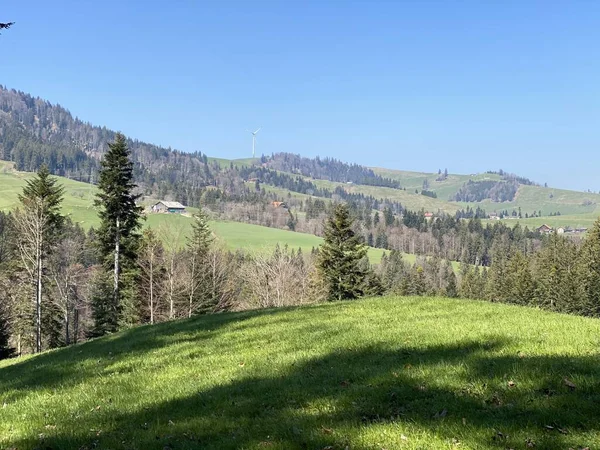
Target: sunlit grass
(413, 373)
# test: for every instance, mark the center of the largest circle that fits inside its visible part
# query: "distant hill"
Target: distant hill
(34, 131)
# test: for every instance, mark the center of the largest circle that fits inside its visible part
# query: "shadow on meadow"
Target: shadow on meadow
(467, 393)
(69, 366)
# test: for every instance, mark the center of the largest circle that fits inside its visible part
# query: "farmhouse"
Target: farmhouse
(168, 207)
(544, 229)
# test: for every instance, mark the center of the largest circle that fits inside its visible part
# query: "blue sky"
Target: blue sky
(468, 86)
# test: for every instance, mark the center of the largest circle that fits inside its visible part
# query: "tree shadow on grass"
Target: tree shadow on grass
(59, 368)
(463, 393)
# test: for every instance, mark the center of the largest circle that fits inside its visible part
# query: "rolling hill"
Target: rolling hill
(33, 131)
(529, 198)
(78, 204)
(393, 373)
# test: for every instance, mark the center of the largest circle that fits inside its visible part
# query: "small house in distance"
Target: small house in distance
(168, 207)
(544, 229)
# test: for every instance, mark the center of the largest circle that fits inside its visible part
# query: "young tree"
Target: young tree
(38, 221)
(198, 246)
(151, 263)
(340, 255)
(68, 276)
(118, 235)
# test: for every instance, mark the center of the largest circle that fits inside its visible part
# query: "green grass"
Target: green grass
(248, 237)
(387, 373)
(445, 189)
(77, 202)
(222, 162)
(574, 221)
(408, 198)
(528, 198)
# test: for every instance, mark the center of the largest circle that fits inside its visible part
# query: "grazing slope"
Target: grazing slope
(78, 204)
(371, 374)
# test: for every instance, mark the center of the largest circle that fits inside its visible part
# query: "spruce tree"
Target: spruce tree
(38, 223)
(118, 235)
(5, 349)
(590, 271)
(198, 292)
(340, 255)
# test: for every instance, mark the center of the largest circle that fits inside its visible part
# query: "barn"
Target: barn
(168, 207)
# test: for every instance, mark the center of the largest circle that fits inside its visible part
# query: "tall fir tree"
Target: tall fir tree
(118, 235)
(340, 255)
(198, 292)
(590, 271)
(38, 222)
(5, 349)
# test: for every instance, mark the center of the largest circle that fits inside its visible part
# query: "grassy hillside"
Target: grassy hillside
(574, 221)
(78, 197)
(408, 198)
(393, 373)
(445, 189)
(528, 198)
(251, 238)
(78, 200)
(536, 198)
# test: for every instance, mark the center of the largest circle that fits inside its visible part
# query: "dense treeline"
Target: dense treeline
(328, 169)
(496, 191)
(511, 176)
(35, 132)
(60, 285)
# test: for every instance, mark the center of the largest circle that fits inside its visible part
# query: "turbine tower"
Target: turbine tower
(253, 140)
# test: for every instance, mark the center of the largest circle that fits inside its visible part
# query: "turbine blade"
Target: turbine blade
(257, 130)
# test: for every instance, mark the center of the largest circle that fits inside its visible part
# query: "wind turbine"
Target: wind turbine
(253, 139)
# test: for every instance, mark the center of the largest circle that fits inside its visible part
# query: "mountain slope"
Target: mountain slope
(370, 374)
(34, 131)
(78, 205)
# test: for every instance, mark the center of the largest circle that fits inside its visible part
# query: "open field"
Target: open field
(528, 198)
(78, 201)
(245, 236)
(445, 189)
(78, 197)
(407, 198)
(574, 221)
(393, 373)
(222, 162)
(536, 198)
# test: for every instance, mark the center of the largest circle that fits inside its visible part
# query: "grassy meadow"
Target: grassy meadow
(78, 204)
(384, 373)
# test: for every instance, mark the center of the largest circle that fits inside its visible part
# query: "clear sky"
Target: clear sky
(415, 85)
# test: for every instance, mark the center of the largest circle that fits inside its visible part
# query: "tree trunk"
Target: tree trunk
(117, 268)
(75, 325)
(38, 297)
(67, 323)
(151, 292)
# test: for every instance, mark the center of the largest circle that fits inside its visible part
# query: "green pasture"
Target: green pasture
(382, 373)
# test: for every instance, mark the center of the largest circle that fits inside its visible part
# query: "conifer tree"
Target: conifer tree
(5, 349)
(521, 283)
(118, 235)
(590, 268)
(38, 222)
(340, 255)
(199, 243)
